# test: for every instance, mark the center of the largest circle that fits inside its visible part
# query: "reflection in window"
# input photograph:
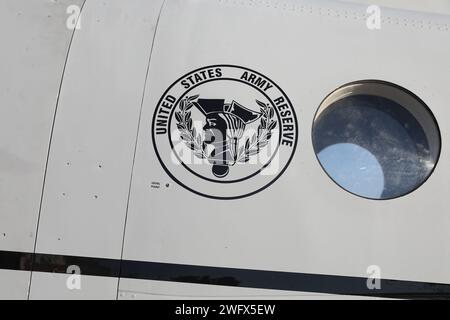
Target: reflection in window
(354, 168)
(374, 147)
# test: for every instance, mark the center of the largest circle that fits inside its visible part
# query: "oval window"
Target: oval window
(376, 139)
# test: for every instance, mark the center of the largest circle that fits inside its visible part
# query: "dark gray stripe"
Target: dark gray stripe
(16, 261)
(246, 278)
(290, 281)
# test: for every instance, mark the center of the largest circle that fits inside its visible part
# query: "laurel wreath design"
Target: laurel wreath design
(261, 138)
(188, 133)
(252, 146)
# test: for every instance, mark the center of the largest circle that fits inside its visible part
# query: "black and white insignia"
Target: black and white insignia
(224, 132)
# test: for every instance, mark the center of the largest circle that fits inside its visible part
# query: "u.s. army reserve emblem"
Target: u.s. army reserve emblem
(224, 132)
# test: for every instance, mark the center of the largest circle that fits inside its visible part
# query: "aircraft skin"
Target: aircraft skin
(91, 104)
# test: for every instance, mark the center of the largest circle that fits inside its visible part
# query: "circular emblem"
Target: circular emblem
(224, 132)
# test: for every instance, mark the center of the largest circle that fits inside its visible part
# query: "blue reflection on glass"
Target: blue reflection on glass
(353, 168)
(369, 143)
